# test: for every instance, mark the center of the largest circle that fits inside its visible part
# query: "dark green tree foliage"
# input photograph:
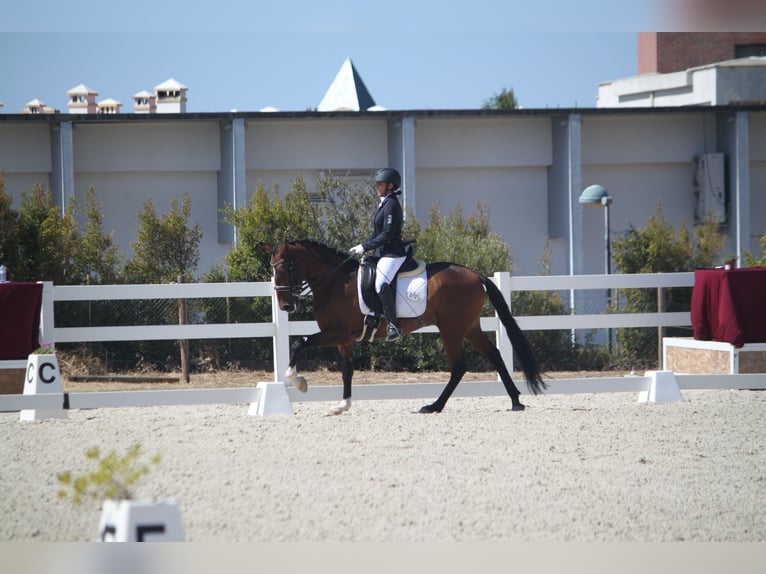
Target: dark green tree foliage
(505, 99)
(659, 248)
(9, 226)
(752, 261)
(166, 247)
(99, 259)
(467, 241)
(48, 241)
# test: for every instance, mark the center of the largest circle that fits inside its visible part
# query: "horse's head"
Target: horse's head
(290, 283)
(296, 264)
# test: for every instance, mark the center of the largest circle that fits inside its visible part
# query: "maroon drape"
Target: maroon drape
(19, 319)
(729, 305)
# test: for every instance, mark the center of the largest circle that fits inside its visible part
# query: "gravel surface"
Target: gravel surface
(570, 468)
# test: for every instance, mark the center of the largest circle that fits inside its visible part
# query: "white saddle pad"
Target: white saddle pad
(411, 295)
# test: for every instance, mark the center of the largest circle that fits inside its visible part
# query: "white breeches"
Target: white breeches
(387, 268)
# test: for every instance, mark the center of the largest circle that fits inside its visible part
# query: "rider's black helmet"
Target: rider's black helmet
(388, 175)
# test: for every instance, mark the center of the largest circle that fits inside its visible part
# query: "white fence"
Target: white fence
(280, 329)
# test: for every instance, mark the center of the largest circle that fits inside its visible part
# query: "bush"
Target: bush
(658, 248)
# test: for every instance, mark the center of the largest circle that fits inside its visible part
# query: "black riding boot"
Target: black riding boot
(389, 310)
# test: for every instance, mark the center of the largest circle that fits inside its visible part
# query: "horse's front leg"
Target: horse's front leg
(346, 362)
(321, 339)
(291, 374)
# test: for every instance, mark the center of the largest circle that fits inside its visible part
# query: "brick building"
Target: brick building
(666, 52)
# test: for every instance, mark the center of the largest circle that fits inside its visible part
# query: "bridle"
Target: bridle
(301, 290)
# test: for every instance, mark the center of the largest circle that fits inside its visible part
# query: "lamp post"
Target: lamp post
(598, 196)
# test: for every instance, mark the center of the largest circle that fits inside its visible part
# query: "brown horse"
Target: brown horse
(455, 299)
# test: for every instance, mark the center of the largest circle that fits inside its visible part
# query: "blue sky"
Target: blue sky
(235, 54)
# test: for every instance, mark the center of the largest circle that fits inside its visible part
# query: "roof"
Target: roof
(81, 90)
(143, 94)
(170, 84)
(109, 102)
(347, 92)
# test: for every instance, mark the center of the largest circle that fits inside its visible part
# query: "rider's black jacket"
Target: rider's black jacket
(386, 238)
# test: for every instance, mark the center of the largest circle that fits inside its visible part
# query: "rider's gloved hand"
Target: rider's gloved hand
(356, 250)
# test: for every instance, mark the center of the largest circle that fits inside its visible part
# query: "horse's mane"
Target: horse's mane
(324, 251)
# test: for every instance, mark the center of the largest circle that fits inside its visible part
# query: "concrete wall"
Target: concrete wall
(528, 167)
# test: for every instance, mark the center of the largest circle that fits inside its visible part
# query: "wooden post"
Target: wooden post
(660, 330)
(183, 343)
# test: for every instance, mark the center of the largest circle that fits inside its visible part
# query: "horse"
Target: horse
(455, 299)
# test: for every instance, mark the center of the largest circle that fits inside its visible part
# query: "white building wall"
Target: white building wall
(498, 161)
(345, 146)
(757, 180)
(127, 163)
(25, 157)
(504, 161)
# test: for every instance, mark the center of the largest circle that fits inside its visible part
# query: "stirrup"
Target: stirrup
(393, 332)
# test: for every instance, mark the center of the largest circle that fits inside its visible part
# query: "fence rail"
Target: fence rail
(280, 329)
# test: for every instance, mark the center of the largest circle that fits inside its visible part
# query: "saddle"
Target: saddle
(409, 285)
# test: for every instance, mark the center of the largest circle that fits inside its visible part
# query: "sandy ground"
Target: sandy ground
(570, 468)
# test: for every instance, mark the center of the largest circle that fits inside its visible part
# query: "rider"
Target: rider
(386, 240)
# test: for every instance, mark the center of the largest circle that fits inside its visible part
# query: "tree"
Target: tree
(503, 100)
(99, 258)
(9, 221)
(752, 261)
(166, 247)
(47, 240)
(658, 248)
(466, 241)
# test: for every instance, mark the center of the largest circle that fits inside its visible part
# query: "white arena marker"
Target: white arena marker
(273, 400)
(140, 521)
(43, 377)
(663, 388)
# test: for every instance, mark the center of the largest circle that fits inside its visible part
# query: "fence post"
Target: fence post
(46, 315)
(503, 281)
(183, 343)
(281, 336)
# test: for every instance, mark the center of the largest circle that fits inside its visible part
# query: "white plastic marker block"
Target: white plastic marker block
(663, 388)
(140, 521)
(273, 400)
(43, 377)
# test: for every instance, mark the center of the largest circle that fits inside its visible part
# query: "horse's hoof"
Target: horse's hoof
(518, 407)
(428, 409)
(340, 408)
(301, 384)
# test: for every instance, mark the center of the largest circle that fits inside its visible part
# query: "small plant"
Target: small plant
(44, 349)
(114, 476)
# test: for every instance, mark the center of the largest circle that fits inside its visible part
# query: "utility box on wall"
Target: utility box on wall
(709, 187)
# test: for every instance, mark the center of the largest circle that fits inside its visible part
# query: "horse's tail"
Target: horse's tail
(520, 343)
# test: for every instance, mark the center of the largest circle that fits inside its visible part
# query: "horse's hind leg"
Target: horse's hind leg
(481, 343)
(454, 349)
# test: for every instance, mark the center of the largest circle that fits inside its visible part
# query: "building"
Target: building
(144, 103)
(347, 92)
(667, 52)
(528, 166)
(82, 100)
(109, 106)
(692, 69)
(170, 97)
(38, 107)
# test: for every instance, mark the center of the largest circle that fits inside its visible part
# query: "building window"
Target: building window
(748, 50)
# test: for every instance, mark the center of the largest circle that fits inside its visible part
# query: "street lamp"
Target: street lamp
(598, 196)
